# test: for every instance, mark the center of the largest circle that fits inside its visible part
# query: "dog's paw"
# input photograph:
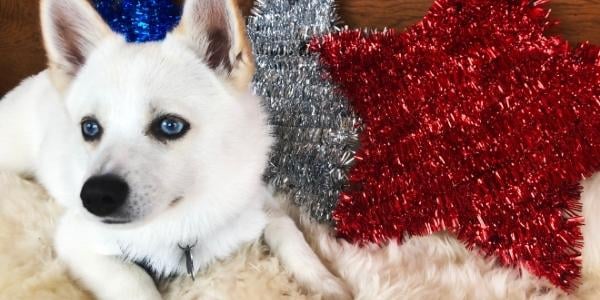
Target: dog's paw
(333, 288)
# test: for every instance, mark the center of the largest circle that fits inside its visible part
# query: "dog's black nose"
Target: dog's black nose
(103, 195)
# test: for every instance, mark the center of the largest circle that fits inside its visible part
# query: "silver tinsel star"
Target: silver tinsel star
(315, 128)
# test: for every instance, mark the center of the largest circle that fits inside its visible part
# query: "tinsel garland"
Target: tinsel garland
(316, 130)
(140, 20)
(475, 122)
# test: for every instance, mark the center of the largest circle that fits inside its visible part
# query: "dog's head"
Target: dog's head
(162, 123)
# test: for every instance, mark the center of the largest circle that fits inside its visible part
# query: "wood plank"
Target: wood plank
(21, 51)
(22, 54)
(579, 19)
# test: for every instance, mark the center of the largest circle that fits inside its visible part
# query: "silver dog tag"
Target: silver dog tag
(189, 260)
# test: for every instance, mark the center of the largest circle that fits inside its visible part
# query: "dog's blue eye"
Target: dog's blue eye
(169, 127)
(91, 129)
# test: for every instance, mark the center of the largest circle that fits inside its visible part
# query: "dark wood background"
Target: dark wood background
(21, 52)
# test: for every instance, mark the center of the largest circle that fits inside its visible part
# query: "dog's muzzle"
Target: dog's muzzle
(104, 195)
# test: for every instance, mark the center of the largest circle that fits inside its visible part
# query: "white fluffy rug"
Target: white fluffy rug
(434, 267)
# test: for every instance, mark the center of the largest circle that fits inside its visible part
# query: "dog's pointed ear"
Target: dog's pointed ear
(71, 30)
(215, 30)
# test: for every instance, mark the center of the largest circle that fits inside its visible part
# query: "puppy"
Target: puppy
(156, 150)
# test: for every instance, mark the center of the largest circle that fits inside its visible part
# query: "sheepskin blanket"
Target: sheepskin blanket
(434, 267)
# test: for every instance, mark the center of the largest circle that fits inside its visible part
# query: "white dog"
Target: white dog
(156, 150)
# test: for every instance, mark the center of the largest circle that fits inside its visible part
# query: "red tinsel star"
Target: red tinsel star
(475, 122)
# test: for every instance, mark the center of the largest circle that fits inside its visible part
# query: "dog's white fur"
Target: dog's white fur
(215, 169)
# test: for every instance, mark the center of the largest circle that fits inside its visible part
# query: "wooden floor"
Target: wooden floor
(21, 52)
